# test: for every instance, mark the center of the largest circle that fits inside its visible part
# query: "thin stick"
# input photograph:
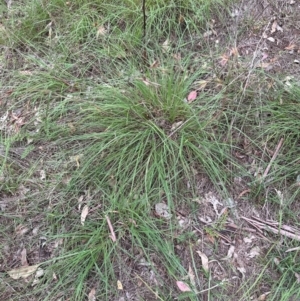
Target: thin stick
(293, 249)
(268, 226)
(273, 158)
(111, 229)
(210, 288)
(144, 25)
(151, 290)
(243, 192)
(283, 232)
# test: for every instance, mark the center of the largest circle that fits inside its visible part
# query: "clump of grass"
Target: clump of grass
(283, 273)
(95, 259)
(136, 145)
(148, 137)
(51, 23)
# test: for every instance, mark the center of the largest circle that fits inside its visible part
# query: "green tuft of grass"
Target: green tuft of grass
(148, 137)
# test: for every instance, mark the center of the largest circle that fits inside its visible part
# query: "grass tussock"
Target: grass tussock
(169, 140)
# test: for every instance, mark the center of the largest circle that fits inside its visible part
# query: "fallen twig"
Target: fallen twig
(292, 249)
(242, 193)
(273, 158)
(283, 232)
(111, 229)
(254, 224)
(274, 227)
(235, 227)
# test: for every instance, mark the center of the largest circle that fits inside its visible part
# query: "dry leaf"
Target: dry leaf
(208, 34)
(26, 72)
(191, 275)
(276, 261)
(298, 180)
(254, 252)
(297, 277)
(201, 84)
(76, 159)
(21, 230)
(35, 230)
(91, 296)
(58, 242)
(177, 57)
(162, 210)
(24, 258)
(248, 240)
(119, 285)
(230, 252)
(219, 82)
(183, 286)
(176, 125)
(101, 31)
(147, 82)
(155, 64)
(42, 175)
(39, 273)
(210, 238)
(192, 96)
(80, 202)
(263, 297)
(181, 19)
(234, 52)
(22, 272)
(72, 128)
(211, 198)
(166, 46)
(204, 261)
(264, 56)
(183, 222)
(235, 13)
(266, 66)
(274, 27)
(132, 221)
(54, 277)
(290, 47)
(84, 213)
(242, 270)
(224, 60)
